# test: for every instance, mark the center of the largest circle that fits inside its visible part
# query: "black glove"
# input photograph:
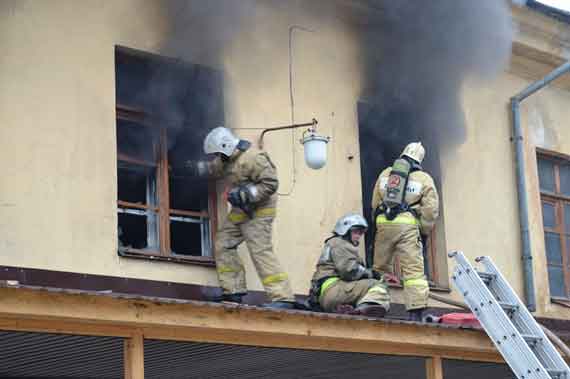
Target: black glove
(376, 275)
(238, 197)
(372, 274)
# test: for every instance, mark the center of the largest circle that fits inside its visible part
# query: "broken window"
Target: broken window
(554, 183)
(165, 108)
(383, 134)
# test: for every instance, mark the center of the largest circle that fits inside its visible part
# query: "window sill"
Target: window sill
(155, 256)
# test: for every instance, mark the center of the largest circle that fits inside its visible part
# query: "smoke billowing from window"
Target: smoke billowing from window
(183, 91)
(419, 54)
(200, 30)
(416, 54)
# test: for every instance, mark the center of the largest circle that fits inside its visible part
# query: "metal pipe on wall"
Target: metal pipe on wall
(530, 297)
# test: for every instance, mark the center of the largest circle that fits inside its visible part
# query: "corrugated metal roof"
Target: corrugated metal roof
(43, 355)
(177, 360)
(320, 315)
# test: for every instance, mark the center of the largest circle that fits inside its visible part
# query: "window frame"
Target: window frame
(558, 201)
(164, 212)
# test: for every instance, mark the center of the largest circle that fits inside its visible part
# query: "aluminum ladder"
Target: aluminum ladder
(507, 321)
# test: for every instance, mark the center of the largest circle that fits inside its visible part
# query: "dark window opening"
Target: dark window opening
(188, 235)
(133, 226)
(165, 108)
(195, 200)
(554, 184)
(136, 183)
(383, 135)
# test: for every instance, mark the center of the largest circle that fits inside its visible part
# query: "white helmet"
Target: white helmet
(348, 221)
(220, 140)
(415, 151)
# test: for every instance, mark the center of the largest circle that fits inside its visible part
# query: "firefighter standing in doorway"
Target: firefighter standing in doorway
(342, 279)
(253, 196)
(405, 204)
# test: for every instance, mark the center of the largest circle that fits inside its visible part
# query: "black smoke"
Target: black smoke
(418, 56)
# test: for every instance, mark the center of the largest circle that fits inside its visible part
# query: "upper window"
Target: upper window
(554, 181)
(164, 109)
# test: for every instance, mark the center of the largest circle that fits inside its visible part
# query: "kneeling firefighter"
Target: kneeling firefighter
(253, 196)
(341, 277)
(405, 204)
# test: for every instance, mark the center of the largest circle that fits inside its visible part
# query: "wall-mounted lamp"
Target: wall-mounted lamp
(315, 145)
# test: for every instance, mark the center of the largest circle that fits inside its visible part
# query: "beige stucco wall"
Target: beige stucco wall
(545, 116)
(57, 141)
(481, 208)
(479, 183)
(57, 111)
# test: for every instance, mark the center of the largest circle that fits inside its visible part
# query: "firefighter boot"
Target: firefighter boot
(370, 309)
(234, 298)
(280, 305)
(344, 309)
(416, 315)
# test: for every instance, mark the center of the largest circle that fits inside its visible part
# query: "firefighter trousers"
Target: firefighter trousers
(257, 234)
(403, 241)
(354, 293)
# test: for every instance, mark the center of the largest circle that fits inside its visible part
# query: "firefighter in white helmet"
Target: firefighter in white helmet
(341, 278)
(253, 196)
(406, 205)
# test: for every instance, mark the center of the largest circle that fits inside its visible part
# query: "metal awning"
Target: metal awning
(44, 355)
(177, 360)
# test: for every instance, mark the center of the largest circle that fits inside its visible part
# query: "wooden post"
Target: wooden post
(163, 195)
(434, 369)
(134, 357)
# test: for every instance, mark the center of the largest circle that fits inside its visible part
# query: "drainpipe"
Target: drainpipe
(521, 181)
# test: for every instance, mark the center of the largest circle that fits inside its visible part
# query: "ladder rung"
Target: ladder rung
(486, 277)
(556, 373)
(508, 307)
(531, 339)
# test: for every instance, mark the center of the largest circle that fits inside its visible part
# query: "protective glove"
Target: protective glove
(372, 274)
(376, 275)
(238, 197)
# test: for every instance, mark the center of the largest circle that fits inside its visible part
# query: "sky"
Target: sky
(561, 4)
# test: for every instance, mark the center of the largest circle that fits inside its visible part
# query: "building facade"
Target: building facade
(100, 100)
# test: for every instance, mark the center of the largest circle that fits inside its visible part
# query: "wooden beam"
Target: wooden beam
(134, 357)
(181, 212)
(81, 313)
(128, 204)
(163, 196)
(434, 369)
